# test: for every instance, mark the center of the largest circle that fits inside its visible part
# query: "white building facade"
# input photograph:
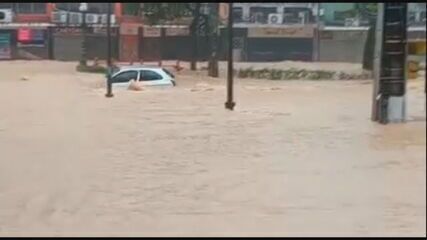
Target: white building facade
(274, 13)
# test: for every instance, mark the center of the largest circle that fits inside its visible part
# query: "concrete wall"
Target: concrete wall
(342, 46)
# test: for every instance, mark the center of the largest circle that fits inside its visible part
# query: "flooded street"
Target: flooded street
(296, 158)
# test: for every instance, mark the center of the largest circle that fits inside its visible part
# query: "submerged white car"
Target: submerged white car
(146, 76)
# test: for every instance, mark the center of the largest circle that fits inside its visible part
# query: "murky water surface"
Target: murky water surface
(296, 158)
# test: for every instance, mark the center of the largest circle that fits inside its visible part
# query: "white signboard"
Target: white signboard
(103, 30)
(347, 35)
(5, 48)
(177, 31)
(151, 32)
(129, 29)
(306, 31)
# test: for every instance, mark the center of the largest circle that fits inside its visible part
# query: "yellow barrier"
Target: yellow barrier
(417, 48)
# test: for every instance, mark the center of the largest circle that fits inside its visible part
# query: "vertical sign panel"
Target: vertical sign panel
(5, 50)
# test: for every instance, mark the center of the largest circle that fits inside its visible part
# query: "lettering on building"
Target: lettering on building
(151, 32)
(306, 31)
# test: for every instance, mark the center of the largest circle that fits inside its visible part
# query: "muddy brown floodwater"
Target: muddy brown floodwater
(296, 158)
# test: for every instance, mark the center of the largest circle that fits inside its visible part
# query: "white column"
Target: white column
(246, 13)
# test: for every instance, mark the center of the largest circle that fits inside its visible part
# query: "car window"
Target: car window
(125, 76)
(148, 75)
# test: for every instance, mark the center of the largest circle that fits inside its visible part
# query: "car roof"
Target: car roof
(139, 67)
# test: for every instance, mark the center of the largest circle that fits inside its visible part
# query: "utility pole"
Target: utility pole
(230, 104)
(316, 38)
(109, 93)
(83, 8)
(318, 31)
(390, 64)
(195, 36)
(213, 60)
(377, 62)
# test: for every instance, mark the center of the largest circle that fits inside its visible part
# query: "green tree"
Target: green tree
(131, 9)
(369, 11)
(160, 13)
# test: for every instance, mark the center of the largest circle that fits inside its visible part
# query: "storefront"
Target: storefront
(5, 46)
(33, 43)
(280, 43)
(25, 41)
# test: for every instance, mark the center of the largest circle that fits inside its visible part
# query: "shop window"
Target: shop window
(260, 14)
(31, 8)
(31, 37)
(237, 14)
(4, 5)
(100, 8)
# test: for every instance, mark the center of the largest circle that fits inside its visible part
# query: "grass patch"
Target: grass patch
(91, 69)
(299, 74)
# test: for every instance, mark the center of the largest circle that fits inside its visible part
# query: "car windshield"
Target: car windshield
(168, 73)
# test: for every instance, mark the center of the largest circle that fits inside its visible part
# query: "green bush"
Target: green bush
(298, 74)
(91, 69)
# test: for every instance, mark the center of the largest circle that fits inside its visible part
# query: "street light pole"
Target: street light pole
(230, 104)
(83, 8)
(195, 37)
(213, 24)
(109, 93)
(318, 31)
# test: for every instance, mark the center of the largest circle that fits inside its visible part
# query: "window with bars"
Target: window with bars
(74, 7)
(37, 8)
(294, 15)
(238, 14)
(342, 15)
(68, 6)
(260, 14)
(4, 5)
(98, 7)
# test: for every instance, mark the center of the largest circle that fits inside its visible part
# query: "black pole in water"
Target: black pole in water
(109, 93)
(230, 104)
(83, 56)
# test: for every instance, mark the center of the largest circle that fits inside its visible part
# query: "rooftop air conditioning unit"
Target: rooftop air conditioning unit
(91, 18)
(303, 17)
(420, 16)
(76, 18)
(5, 15)
(351, 22)
(257, 18)
(275, 18)
(59, 17)
(204, 9)
(104, 19)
